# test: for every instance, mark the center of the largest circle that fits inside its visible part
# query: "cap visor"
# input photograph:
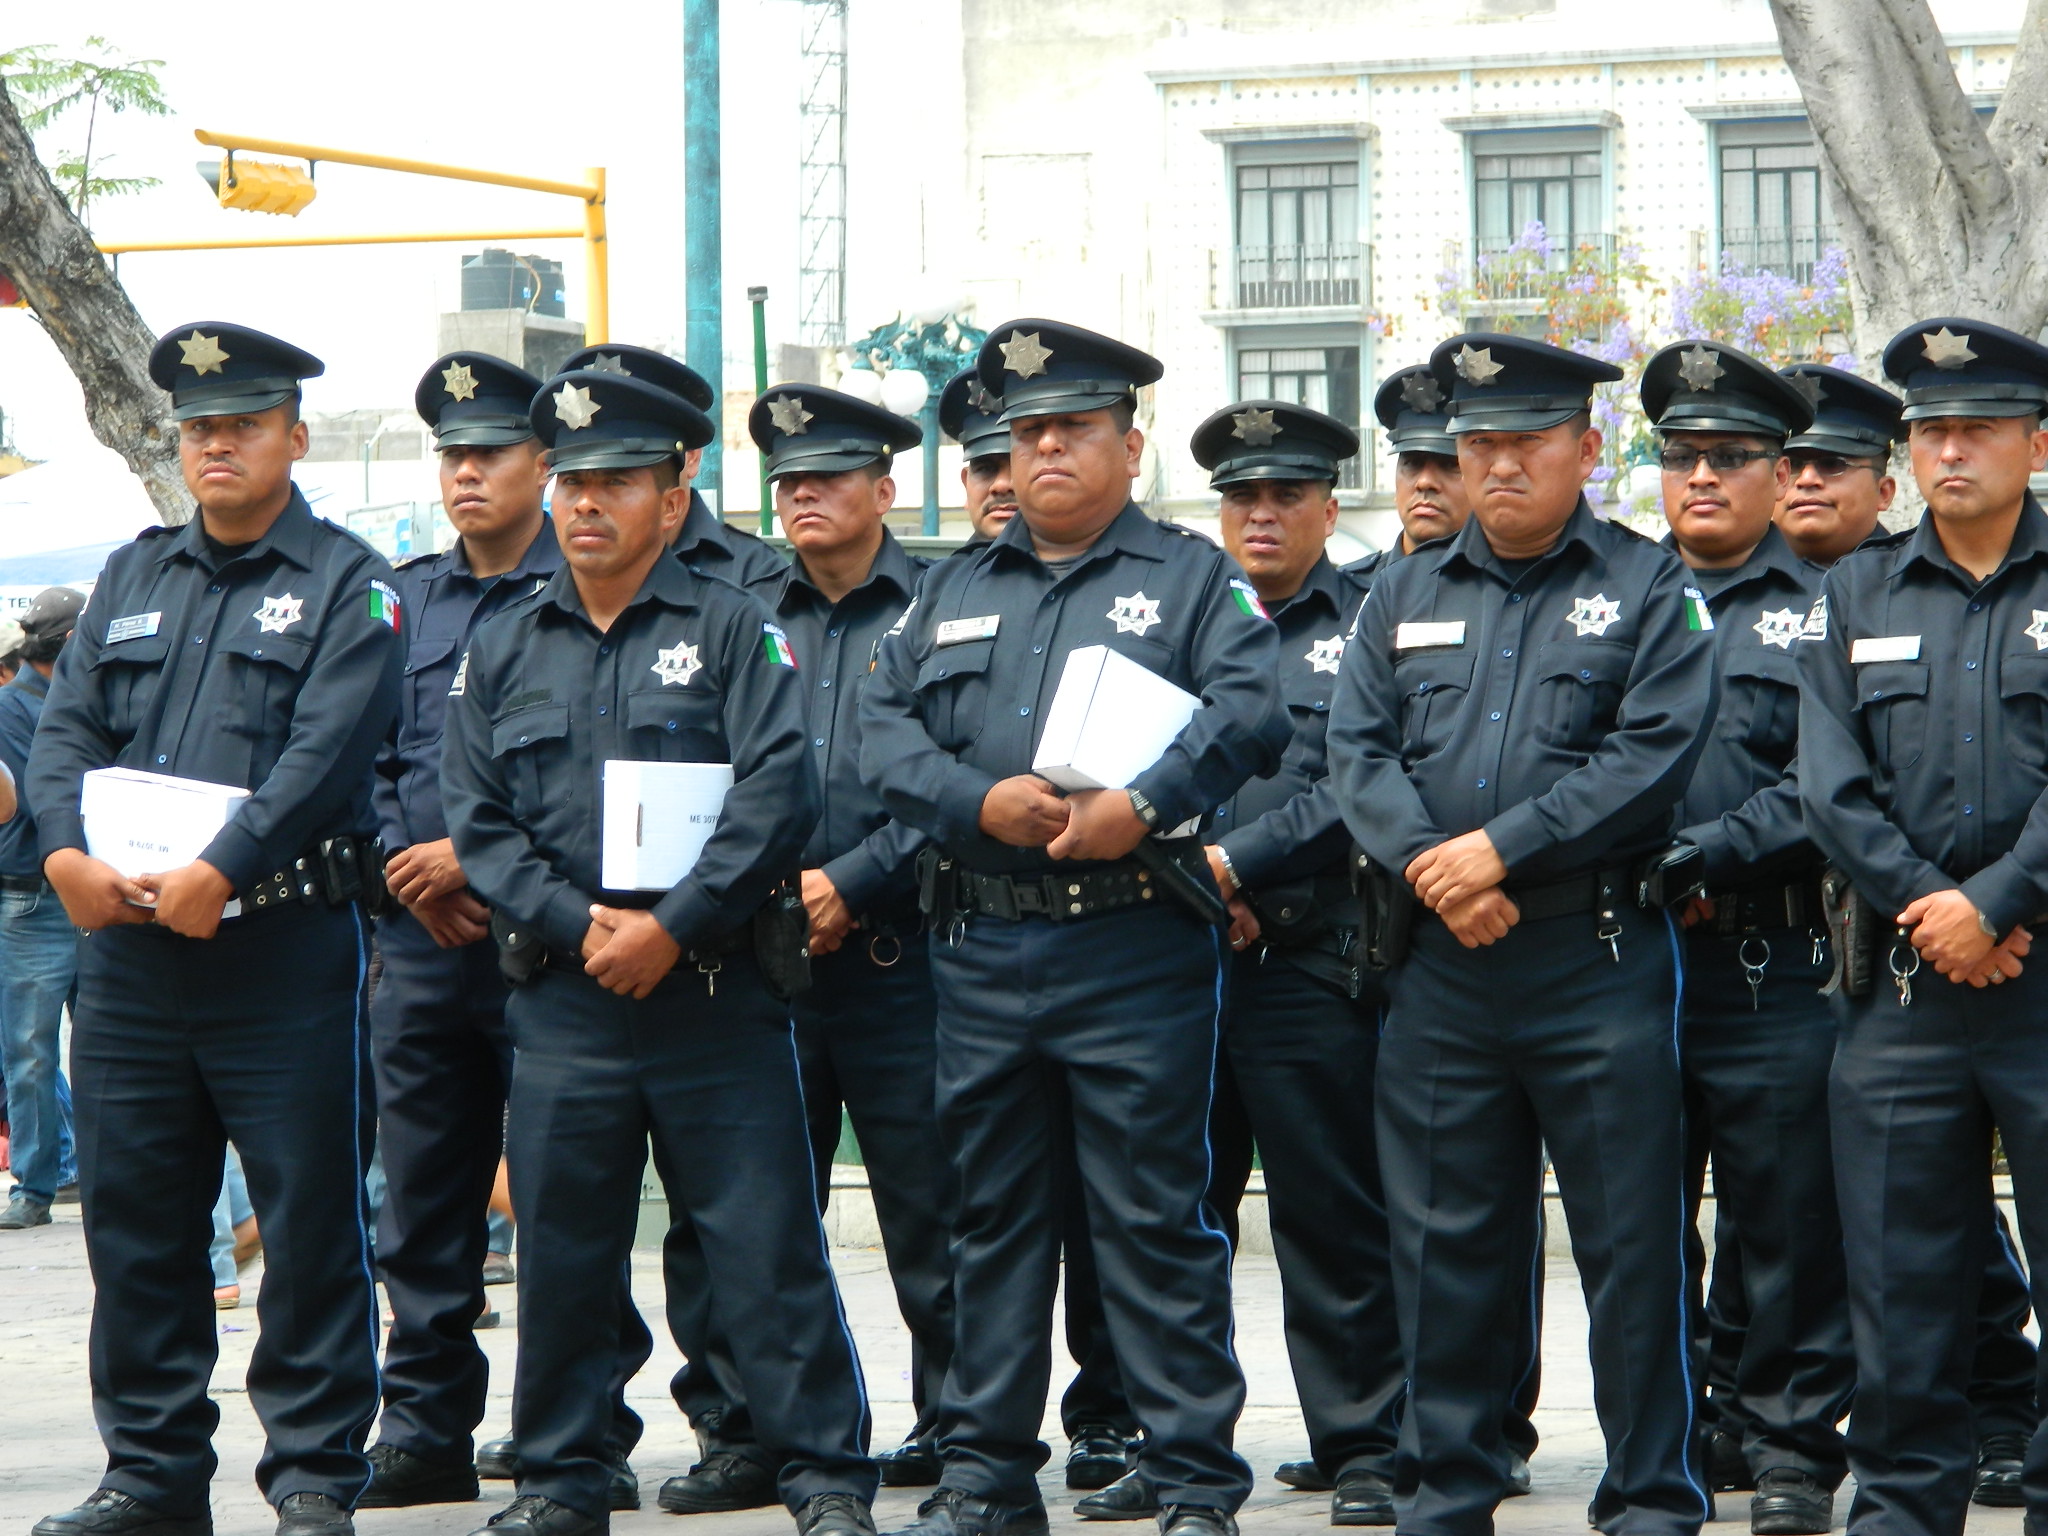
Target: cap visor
(1019, 406)
(976, 445)
(1848, 447)
(1987, 409)
(1511, 421)
(602, 456)
(228, 405)
(482, 437)
(1242, 474)
(1441, 444)
(832, 463)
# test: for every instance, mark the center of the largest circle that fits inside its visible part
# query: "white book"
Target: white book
(657, 817)
(1110, 720)
(146, 823)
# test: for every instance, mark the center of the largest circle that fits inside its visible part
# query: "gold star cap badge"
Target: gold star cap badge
(202, 354)
(1421, 392)
(459, 381)
(789, 416)
(1476, 365)
(1945, 349)
(573, 407)
(1699, 368)
(610, 363)
(1024, 355)
(1254, 426)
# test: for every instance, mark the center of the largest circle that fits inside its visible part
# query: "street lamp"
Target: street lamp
(906, 364)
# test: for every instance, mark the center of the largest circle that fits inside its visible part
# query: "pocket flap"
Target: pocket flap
(2023, 674)
(524, 727)
(675, 709)
(1880, 681)
(276, 650)
(963, 660)
(1428, 671)
(1588, 661)
(424, 653)
(146, 651)
(1766, 662)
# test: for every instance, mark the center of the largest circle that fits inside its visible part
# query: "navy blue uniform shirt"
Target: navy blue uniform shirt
(443, 604)
(21, 705)
(869, 858)
(941, 724)
(1742, 807)
(710, 544)
(1286, 825)
(1560, 706)
(274, 668)
(1923, 723)
(690, 672)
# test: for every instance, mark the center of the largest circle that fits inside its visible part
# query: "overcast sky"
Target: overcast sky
(544, 89)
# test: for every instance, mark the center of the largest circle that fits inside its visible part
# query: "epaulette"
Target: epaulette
(412, 560)
(160, 530)
(1889, 538)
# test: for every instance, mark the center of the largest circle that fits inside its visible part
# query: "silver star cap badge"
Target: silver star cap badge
(1808, 384)
(1945, 349)
(1421, 392)
(573, 407)
(789, 416)
(202, 354)
(984, 402)
(610, 364)
(1254, 426)
(1476, 365)
(459, 381)
(1699, 368)
(1024, 355)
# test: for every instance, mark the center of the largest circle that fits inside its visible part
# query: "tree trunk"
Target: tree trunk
(1938, 214)
(50, 256)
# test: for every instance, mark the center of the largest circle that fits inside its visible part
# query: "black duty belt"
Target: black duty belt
(23, 884)
(1766, 909)
(570, 963)
(1603, 893)
(332, 874)
(1058, 898)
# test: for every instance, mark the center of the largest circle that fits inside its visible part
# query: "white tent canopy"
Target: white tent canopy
(59, 521)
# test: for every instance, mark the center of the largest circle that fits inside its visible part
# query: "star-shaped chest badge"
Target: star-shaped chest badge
(1699, 368)
(1476, 365)
(1945, 349)
(1422, 393)
(1325, 655)
(459, 381)
(1135, 614)
(2038, 630)
(1780, 627)
(279, 614)
(1254, 426)
(676, 664)
(573, 407)
(1592, 615)
(788, 416)
(202, 354)
(1025, 355)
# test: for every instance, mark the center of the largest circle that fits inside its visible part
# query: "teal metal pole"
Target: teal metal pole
(929, 418)
(703, 226)
(758, 297)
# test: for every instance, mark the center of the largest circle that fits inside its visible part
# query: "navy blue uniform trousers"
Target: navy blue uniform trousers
(1490, 1055)
(1756, 1079)
(1123, 1009)
(711, 1076)
(258, 1036)
(1915, 1094)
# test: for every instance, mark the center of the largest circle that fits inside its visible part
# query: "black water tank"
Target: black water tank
(500, 280)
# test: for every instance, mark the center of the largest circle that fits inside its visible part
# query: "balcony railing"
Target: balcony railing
(1510, 269)
(1790, 250)
(1301, 276)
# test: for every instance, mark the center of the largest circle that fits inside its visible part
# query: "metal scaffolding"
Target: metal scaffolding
(821, 218)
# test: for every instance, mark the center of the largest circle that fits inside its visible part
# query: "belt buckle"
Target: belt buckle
(1031, 897)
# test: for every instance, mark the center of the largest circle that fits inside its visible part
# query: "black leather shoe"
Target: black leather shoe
(1519, 1481)
(835, 1514)
(1304, 1475)
(721, 1482)
(623, 1492)
(532, 1515)
(498, 1460)
(1097, 1455)
(1362, 1498)
(1130, 1497)
(1789, 1502)
(1999, 1460)
(399, 1479)
(956, 1512)
(110, 1512)
(913, 1464)
(313, 1514)
(1727, 1468)
(1195, 1520)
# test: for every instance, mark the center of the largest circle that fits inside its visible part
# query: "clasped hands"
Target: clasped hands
(1948, 930)
(1459, 880)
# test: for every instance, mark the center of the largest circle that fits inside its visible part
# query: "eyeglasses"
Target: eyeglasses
(1722, 458)
(1832, 466)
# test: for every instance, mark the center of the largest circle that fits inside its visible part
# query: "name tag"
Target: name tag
(137, 626)
(1417, 637)
(1886, 648)
(959, 631)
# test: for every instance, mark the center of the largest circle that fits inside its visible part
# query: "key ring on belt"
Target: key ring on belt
(874, 951)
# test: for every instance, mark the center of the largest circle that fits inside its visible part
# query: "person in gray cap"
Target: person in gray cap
(38, 945)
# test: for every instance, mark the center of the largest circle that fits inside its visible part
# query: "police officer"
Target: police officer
(437, 1024)
(1095, 1413)
(1758, 1034)
(1429, 491)
(1058, 954)
(1841, 481)
(1517, 715)
(255, 647)
(1922, 766)
(706, 540)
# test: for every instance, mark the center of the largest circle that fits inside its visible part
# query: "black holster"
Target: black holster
(1663, 880)
(521, 949)
(1386, 913)
(782, 942)
(938, 889)
(1854, 931)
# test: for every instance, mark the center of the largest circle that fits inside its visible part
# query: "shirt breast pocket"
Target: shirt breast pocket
(1892, 698)
(1308, 708)
(952, 693)
(128, 676)
(677, 726)
(1578, 692)
(1760, 704)
(532, 749)
(1433, 689)
(273, 668)
(427, 678)
(2023, 690)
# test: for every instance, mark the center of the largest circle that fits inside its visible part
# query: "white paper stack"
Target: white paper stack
(657, 817)
(147, 823)
(1110, 720)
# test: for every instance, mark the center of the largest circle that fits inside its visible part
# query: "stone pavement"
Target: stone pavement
(51, 1456)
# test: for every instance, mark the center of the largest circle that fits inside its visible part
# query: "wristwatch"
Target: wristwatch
(1148, 813)
(1984, 923)
(1229, 869)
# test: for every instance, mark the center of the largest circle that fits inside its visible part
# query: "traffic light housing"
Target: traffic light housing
(259, 186)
